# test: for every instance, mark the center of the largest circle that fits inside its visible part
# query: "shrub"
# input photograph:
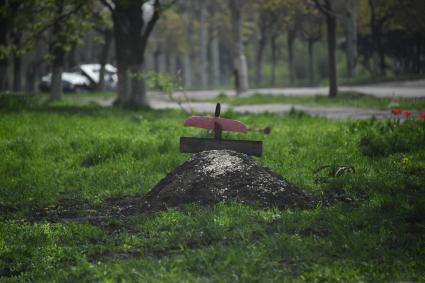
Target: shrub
(382, 139)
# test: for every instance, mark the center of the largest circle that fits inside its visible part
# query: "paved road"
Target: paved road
(328, 112)
(405, 89)
(409, 89)
(281, 109)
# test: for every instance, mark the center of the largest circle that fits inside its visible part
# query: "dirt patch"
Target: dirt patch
(206, 179)
(220, 175)
(112, 215)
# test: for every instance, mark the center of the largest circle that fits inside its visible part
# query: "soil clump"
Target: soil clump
(208, 178)
(217, 176)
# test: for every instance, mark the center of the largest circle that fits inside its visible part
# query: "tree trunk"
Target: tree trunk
(56, 88)
(3, 74)
(156, 54)
(262, 41)
(381, 52)
(162, 63)
(203, 37)
(274, 58)
(56, 91)
(131, 35)
(172, 64)
(122, 53)
(4, 30)
(376, 26)
(138, 87)
(123, 85)
(104, 57)
(73, 59)
(17, 64)
(290, 42)
(17, 73)
(33, 73)
(239, 59)
(215, 54)
(311, 61)
(90, 47)
(331, 30)
(418, 55)
(351, 37)
(259, 72)
(36, 67)
(187, 71)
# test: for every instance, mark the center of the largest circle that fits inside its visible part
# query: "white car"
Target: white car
(71, 82)
(83, 78)
(92, 71)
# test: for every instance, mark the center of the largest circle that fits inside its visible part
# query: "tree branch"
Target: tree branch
(107, 5)
(321, 8)
(47, 26)
(324, 10)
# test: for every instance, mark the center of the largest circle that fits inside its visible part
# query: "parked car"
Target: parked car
(92, 72)
(71, 82)
(84, 77)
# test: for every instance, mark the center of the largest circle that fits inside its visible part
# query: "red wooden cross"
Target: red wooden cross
(218, 125)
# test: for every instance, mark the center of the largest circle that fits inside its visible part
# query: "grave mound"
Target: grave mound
(215, 176)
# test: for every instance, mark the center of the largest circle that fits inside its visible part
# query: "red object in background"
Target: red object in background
(407, 114)
(396, 111)
(421, 116)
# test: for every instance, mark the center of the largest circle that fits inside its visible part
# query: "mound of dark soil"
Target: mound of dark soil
(221, 175)
(207, 178)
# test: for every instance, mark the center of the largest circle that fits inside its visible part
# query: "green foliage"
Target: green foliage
(163, 82)
(66, 21)
(174, 37)
(89, 154)
(392, 137)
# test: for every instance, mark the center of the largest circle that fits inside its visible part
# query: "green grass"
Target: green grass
(343, 99)
(88, 154)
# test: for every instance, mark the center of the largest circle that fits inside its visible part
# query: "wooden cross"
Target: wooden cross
(218, 125)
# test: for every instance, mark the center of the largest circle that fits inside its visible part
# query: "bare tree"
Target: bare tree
(380, 13)
(58, 53)
(134, 21)
(214, 46)
(203, 37)
(8, 31)
(327, 8)
(290, 39)
(67, 25)
(311, 30)
(351, 36)
(274, 54)
(240, 67)
(263, 27)
(104, 56)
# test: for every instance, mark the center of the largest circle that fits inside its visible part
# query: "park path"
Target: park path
(201, 98)
(406, 89)
(338, 113)
(402, 89)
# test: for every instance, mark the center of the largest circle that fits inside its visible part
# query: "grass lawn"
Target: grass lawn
(343, 99)
(61, 154)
